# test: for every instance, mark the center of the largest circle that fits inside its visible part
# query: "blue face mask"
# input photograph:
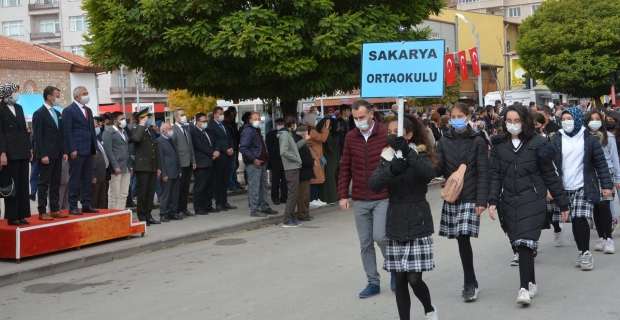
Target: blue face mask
(97, 131)
(458, 124)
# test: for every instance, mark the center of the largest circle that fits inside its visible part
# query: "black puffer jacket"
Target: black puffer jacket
(306, 172)
(519, 183)
(409, 214)
(467, 148)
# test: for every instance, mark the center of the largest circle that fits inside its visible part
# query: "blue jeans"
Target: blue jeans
(314, 192)
(34, 177)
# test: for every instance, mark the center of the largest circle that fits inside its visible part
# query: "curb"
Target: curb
(155, 245)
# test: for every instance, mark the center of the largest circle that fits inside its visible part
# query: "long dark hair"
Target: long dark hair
(602, 129)
(540, 119)
(420, 137)
(527, 124)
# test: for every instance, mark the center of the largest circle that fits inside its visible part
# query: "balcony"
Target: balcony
(146, 94)
(43, 8)
(114, 90)
(44, 35)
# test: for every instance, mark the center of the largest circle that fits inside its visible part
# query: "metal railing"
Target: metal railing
(133, 90)
(44, 35)
(42, 6)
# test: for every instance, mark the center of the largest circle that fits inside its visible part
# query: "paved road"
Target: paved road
(313, 272)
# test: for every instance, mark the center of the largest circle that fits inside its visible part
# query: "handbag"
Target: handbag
(454, 184)
(9, 191)
(322, 160)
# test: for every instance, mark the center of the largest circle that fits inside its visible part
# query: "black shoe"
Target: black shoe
(220, 208)
(228, 206)
(130, 204)
(33, 197)
(276, 203)
(163, 218)
(14, 222)
(174, 216)
(189, 214)
(269, 211)
(202, 213)
(283, 201)
(75, 212)
(24, 221)
(90, 210)
(152, 221)
(212, 210)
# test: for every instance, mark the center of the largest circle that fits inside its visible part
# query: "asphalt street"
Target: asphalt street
(315, 272)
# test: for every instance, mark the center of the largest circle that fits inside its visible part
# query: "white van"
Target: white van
(540, 96)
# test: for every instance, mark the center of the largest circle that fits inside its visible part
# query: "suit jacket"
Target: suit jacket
(117, 150)
(147, 156)
(185, 148)
(203, 147)
(79, 133)
(170, 165)
(100, 170)
(274, 160)
(128, 128)
(14, 137)
(224, 140)
(48, 138)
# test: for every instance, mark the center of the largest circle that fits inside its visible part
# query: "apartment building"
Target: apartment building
(512, 10)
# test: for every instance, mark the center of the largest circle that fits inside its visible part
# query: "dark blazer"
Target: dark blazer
(274, 160)
(224, 141)
(79, 133)
(170, 165)
(100, 171)
(147, 156)
(203, 149)
(48, 138)
(14, 137)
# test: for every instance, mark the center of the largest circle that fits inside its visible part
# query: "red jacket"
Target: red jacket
(360, 159)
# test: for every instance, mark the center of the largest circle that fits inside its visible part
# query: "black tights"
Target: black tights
(581, 231)
(467, 259)
(526, 267)
(602, 219)
(556, 227)
(403, 301)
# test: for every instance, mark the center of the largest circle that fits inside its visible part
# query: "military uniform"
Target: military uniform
(146, 167)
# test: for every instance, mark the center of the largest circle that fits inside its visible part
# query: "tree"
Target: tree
(572, 45)
(451, 94)
(191, 103)
(273, 49)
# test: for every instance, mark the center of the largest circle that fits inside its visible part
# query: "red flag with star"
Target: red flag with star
(475, 61)
(450, 68)
(463, 65)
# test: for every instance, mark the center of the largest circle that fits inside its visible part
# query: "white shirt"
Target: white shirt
(516, 143)
(12, 108)
(367, 135)
(182, 130)
(51, 110)
(81, 108)
(206, 134)
(120, 131)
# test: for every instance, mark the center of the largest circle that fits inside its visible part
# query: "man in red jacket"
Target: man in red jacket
(360, 158)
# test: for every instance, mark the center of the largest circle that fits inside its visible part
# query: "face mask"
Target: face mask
(458, 124)
(255, 124)
(203, 126)
(123, 124)
(362, 125)
(514, 128)
(279, 127)
(148, 123)
(13, 98)
(170, 133)
(294, 127)
(85, 100)
(57, 102)
(568, 125)
(183, 120)
(595, 125)
(611, 124)
(97, 131)
(220, 118)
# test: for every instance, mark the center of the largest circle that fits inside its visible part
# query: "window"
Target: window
(435, 35)
(514, 12)
(507, 46)
(11, 3)
(122, 80)
(49, 25)
(468, 1)
(13, 28)
(77, 50)
(47, 1)
(534, 8)
(78, 23)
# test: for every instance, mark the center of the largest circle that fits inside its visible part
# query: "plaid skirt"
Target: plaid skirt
(459, 219)
(526, 243)
(409, 256)
(554, 211)
(580, 207)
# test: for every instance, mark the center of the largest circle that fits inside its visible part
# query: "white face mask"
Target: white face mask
(255, 124)
(183, 120)
(362, 125)
(279, 127)
(169, 134)
(220, 118)
(56, 102)
(568, 125)
(514, 128)
(85, 100)
(13, 98)
(123, 124)
(203, 126)
(595, 125)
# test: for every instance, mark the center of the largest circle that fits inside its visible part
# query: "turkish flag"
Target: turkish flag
(475, 62)
(450, 68)
(463, 65)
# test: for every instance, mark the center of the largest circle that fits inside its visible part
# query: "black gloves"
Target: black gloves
(399, 143)
(398, 166)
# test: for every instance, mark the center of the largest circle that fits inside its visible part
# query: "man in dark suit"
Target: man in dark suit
(171, 174)
(224, 139)
(81, 145)
(147, 167)
(49, 149)
(205, 151)
(274, 163)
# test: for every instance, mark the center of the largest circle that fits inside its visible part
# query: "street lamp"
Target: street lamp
(473, 28)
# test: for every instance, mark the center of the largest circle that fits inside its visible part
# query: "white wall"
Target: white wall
(88, 80)
(70, 38)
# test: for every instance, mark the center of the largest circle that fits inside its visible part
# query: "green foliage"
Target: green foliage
(451, 94)
(572, 45)
(289, 49)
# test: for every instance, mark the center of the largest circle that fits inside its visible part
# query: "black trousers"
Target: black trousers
(146, 192)
(222, 176)
(49, 180)
(99, 195)
(186, 179)
(204, 180)
(19, 206)
(80, 180)
(279, 191)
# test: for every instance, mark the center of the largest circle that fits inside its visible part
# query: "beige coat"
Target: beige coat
(315, 143)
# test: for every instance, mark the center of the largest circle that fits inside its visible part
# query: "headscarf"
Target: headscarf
(7, 89)
(578, 117)
(310, 119)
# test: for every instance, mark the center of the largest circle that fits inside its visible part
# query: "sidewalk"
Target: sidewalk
(158, 237)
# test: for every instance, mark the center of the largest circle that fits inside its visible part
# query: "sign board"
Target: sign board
(151, 106)
(403, 69)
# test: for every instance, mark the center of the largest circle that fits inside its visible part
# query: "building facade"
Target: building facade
(511, 10)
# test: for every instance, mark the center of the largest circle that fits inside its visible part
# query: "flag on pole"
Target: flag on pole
(475, 62)
(450, 68)
(463, 65)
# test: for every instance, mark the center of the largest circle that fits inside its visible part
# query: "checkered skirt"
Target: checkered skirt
(554, 210)
(526, 243)
(409, 256)
(580, 207)
(459, 219)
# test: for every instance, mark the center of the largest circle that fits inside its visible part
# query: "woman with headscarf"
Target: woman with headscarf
(15, 154)
(328, 191)
(315, 143)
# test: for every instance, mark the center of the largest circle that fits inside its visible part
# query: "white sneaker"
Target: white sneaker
(587, 262)
(432, 315)
(314, 203)
(609, 246)
(578, 262)
(515, 260)
(533, 290)
(559, 237)
(523, 297)
(600, 244)
(321, 203)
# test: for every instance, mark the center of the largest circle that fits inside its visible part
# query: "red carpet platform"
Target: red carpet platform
(41, 237)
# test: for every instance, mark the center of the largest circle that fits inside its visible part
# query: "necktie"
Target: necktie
(85, 112)
(222, 126)
(206, 134)
(54, 116)
(185, 134)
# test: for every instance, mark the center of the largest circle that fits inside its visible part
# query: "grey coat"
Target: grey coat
(117, 150)
(168, 158)
(185, 148)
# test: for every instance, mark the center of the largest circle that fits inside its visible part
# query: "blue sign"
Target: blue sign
(403, 69)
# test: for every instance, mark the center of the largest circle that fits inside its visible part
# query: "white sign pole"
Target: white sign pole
(401, 119)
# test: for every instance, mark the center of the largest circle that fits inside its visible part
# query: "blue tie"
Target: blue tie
(54, 116)
(222, 126)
